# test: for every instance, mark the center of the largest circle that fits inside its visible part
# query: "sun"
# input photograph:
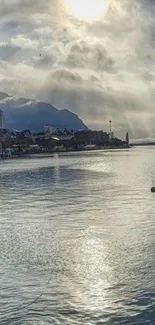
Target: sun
(88, 10)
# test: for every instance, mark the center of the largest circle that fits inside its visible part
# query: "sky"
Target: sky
(94, 57)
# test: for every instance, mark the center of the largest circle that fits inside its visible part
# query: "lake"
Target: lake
(77, 239)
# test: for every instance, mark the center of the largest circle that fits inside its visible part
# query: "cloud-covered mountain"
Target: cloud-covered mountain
(21, 114)
(102, 69)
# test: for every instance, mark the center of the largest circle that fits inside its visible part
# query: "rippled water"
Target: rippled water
(77, 239)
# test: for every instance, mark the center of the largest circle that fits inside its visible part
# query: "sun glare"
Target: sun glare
(87, 9)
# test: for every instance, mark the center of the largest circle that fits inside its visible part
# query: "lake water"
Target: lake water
(77, 239)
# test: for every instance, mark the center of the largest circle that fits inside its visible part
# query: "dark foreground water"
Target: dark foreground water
(77, 239)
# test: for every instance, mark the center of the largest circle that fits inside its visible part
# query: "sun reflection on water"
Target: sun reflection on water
(89, 272)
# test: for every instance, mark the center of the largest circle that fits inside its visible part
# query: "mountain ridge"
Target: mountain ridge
(23, 113)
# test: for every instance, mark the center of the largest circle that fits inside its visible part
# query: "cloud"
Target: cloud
(81, 54)
(22, 6)
(25, 43)
(101, 70)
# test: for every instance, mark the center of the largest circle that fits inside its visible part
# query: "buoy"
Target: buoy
(153, 188)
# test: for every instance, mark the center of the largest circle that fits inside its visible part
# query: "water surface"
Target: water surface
(77, 239)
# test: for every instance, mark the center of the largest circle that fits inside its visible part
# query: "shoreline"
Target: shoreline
(50, 154)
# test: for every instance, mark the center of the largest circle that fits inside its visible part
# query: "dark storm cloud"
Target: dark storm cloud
(101, 70)
(82, 54)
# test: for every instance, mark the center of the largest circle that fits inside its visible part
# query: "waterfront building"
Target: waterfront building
(91, 137)
(48, 129)
(1, 119)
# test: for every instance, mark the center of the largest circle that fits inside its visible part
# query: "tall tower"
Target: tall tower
(1, 119)
(127, 138)
(111, 133)
(110, 126)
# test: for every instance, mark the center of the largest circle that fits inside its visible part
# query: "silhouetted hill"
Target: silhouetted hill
(21, 113)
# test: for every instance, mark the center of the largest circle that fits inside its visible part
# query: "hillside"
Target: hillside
(22, 113)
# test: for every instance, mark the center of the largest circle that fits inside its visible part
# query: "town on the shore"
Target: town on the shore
(20, 143)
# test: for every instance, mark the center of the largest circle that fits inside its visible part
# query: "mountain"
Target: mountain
(22, 114)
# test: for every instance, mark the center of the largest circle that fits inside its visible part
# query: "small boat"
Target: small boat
(153, 188)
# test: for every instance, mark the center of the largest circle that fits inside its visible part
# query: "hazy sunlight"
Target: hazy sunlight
(86, 9)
